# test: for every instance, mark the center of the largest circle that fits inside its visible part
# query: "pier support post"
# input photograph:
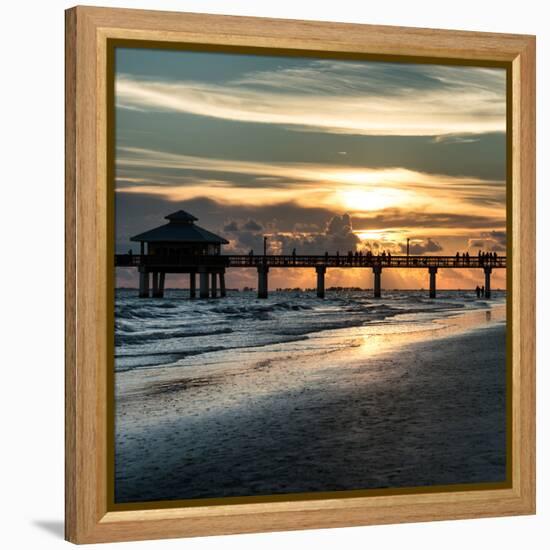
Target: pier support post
(155, 276)
(263, 270)
(222, 285)
(203, 290)
(214, 288)
(162, 279)
(433, 272)
(143, 284)
(192, 285)
(377, 270)
(487, 269)
(321, 270)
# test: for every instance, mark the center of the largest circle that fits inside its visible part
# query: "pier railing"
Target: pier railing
(327, 260)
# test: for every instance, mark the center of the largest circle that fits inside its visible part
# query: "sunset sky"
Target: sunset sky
(320, 155)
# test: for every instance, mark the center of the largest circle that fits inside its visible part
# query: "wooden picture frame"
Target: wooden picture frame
(89, 518)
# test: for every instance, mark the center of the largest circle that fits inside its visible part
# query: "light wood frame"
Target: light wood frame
(88, 518)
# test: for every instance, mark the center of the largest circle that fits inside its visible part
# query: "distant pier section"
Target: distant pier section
(181, 246)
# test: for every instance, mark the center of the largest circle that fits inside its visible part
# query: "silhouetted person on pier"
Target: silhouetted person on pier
(483, 291)
(389, 258)
(350, 256)
(337, 257)
(326, 257)
(478, 291)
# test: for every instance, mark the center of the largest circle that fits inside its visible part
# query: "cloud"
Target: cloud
(251, 225)
(354, 189)
(244, 237)
(142, 211)
(453, 139)
(338, 97)
(337, 235)
(231, 226)
(392, 218)
(339, 225)
(491, 241)
(422, 247)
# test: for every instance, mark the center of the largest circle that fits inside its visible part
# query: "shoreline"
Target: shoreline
(381, 410)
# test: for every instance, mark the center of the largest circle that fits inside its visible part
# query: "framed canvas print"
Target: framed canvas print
(300, 274)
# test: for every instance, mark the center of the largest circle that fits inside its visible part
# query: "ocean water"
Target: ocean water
(293, 394)
(176, 331)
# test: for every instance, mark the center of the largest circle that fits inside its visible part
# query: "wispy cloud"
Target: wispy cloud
(338, 97)
(357, 189)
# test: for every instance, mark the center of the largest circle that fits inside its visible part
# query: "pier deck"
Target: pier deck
(212, 267)
(289, 261)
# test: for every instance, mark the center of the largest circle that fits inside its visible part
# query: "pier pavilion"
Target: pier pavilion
(181, 246)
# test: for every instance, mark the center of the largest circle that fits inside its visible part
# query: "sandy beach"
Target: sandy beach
(374, 406)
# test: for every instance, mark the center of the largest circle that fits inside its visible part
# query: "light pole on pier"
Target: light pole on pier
(408, 250)
(265, 245)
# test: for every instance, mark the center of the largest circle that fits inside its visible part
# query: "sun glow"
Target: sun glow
(371, 235)
(360, 200)
(369, 176)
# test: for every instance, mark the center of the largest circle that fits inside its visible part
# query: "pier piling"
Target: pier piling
(214, 288)
(162, 278)
(321, 270)
(377, 270)
(192, 285)
(263, 270)
(222, 285)
(143, 284)
(433, 272)
(203, 280)
(488, 269)
(155, 284)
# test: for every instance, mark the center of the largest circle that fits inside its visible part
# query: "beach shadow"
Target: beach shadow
(51, 526)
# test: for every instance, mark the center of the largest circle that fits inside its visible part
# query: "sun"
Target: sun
(361, 200)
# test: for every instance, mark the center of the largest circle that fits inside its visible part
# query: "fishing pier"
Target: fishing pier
(183, 247)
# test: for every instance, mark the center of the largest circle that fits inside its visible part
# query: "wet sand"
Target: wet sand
(369, 407)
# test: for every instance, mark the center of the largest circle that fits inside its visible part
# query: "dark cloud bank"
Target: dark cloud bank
(308, 230)
(337, 235)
